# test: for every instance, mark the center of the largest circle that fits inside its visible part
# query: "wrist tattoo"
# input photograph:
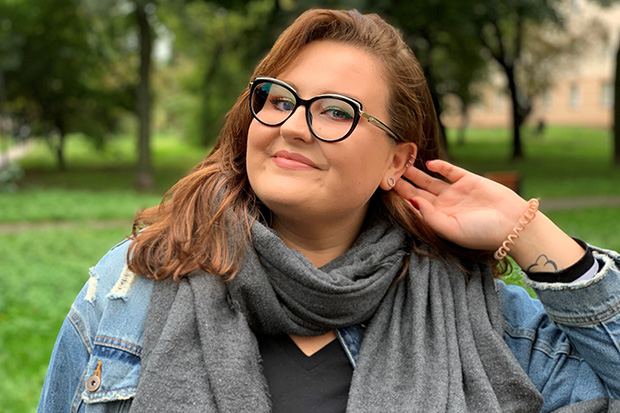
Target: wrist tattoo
(543, 264)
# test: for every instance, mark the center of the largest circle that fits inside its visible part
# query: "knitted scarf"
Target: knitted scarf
(433, 342)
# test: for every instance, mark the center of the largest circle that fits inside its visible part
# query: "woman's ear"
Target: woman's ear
(403, 157)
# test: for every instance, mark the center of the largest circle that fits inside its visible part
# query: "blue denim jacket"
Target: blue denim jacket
(568, 342)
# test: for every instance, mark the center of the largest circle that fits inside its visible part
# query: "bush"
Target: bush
(9, 176)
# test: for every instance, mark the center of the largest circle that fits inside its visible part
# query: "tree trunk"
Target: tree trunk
(206, 119)
(2, 92)
(617, 110)
(144, 177)
(58, 145)
(4, 138)
(60, 152)
(517, 120)
(443, 139)
(464, 122)
(430, 80)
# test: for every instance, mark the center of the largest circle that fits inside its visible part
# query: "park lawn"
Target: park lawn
(98, 185)
(42, 272)
(52, 230)
(566, 162)
(59, 224)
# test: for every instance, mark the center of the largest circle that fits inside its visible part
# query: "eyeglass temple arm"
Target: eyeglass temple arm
(379, 124)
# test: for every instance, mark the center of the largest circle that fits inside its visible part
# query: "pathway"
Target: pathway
(558, 204)
(14, 153)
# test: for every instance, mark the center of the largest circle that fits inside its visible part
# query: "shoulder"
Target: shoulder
(102, 336)
(110, 268)
(113, 291)
(114, 302)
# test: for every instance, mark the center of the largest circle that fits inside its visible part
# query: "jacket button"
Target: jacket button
(93, 383)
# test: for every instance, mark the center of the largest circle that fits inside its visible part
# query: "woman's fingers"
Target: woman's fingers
(407, 190)
(425, 181)
(435, 219)
(451, 172)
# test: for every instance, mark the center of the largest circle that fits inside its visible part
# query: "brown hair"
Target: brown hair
(204, 220)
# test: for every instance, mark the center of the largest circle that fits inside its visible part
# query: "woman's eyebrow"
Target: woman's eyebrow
(335, 92)
(288, 82)
(323, 92)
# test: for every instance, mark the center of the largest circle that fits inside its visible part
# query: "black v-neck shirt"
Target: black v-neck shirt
(301, 384)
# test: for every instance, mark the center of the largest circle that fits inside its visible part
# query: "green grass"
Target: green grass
(565, 163)
(52, 230)
(97, 184)
(597, 226)
(59, 224)
(57, 204)
(42, 271)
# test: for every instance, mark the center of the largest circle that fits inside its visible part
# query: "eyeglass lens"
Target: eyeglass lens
(329, 118)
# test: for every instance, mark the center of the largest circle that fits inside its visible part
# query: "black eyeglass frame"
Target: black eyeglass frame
(359, 112)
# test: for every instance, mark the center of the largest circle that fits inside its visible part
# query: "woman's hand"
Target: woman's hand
(471, 211)
(477, 213)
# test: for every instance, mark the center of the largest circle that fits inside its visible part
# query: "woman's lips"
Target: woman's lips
(293, 161)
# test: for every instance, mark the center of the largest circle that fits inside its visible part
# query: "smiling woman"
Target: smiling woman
(324, 258)
(318, 193)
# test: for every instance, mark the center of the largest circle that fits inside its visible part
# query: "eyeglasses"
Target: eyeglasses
(330, 117)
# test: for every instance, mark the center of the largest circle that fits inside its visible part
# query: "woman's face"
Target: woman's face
(308, 181)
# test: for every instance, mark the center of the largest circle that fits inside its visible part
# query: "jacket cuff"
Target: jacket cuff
(586, 302)
(570, 274)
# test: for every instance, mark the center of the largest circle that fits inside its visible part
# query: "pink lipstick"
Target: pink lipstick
(294, 161)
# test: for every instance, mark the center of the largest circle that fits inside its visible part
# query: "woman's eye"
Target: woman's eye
(282, 104)
(338, 113)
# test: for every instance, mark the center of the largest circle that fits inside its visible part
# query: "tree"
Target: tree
(205, 65)
(10, 58)
(144, 173)
(445, 43)
(616, 155)
(57, 86)
(616, 115)
(504, 25)
(234, 36)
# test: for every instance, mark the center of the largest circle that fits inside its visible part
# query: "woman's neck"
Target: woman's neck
(322, 243)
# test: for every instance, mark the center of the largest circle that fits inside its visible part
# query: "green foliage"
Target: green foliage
(217, 45)
(444, 40)
(60, 79)
(213, 69)
(9, 175)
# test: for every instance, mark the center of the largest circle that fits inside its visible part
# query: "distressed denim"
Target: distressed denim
(568, 342)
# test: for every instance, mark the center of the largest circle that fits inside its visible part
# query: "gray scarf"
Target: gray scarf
(433, 342)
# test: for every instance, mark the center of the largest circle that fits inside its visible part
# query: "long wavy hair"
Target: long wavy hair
(204, 220)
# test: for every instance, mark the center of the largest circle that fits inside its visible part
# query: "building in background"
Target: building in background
(581, 92)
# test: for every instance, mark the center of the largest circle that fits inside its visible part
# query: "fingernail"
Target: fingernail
(415, 204)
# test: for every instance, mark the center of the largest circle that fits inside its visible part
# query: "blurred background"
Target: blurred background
(105, 104)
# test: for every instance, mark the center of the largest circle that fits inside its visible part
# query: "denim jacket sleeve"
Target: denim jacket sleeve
(101, 336)
(568, 341)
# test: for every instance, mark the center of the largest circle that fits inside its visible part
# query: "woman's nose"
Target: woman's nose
(296, 126)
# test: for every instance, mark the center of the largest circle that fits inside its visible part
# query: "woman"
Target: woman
(322, 258)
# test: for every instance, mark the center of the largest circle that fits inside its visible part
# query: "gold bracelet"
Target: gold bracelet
(529, 215)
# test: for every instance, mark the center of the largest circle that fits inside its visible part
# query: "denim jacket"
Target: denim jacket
(568, 342)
